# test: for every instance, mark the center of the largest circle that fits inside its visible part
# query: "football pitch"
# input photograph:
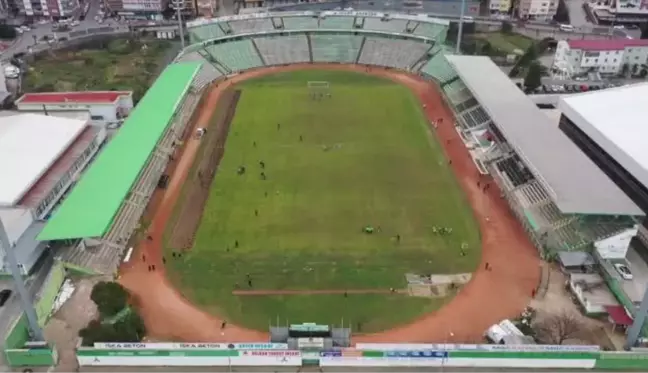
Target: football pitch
(300, 181)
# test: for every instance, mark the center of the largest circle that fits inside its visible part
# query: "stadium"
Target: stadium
(185, 180)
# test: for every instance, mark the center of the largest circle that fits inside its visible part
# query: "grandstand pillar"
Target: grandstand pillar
(23, 294)
(638, 323)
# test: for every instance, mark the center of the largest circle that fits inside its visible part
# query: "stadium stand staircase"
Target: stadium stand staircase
(237, 55)
(423, 60)
(364, 40)
(277, 22)
(207, 73)
(310, 48)
(261, 56)
(225, 27)
(281, 50)
(358, 22)
(438, 67)
(335, 48)
(411, 26)
(214, 61)
(300, 23)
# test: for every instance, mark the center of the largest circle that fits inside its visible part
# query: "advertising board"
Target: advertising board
(187, 357)
(191, 346)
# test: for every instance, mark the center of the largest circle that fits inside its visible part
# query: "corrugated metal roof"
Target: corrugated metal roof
(574, 182)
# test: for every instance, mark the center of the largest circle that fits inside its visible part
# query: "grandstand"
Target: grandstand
(104, 208)
(561, 197)
(417, 25)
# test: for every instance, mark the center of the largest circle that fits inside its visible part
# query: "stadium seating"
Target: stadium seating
(430, 30)
(399, 54)
(337, 23)
(438, 67)
(377, 24)
(207, 74)
(236, 55)
(280, 50)
(205, 32)
(251, 25)
(300, 23)
(335, 48)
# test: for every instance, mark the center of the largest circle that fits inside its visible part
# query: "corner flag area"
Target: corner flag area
(92, 204)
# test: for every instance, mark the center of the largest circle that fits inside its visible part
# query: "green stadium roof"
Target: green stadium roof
(89, 209)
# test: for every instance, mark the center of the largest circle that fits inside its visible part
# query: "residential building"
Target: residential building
(105, 107)
(617, 11)
(499, 6)
(539, 10)
(49, 9)
(603, 56)
(149, 9)
(41, 156)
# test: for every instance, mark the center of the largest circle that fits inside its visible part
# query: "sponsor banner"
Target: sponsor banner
(183, 346)
(422, 354)
(278, 353)
(347, 352)
(179, 361)
(473, 347)
(310, 343)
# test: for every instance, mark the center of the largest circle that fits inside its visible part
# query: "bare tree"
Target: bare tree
(557, 328)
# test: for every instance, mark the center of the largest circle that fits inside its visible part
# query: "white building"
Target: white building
(49, 8)
(105, 107)
(540, 10)
(40, 158)
(499, 6)
(604, 56)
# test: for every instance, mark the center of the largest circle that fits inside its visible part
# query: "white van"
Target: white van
(566, 28)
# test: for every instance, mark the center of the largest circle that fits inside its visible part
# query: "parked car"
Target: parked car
(624, 271)
(4, 296)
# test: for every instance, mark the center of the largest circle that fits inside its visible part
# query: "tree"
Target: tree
(486, 49)
(624, 69)
(128, 329)
(110, 298)
(7, 32)
(507, 27)
(562, 13)
(533, 77)
(635, 69)
(558, 328)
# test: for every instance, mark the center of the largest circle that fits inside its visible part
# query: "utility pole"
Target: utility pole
(23, 294)
(179, 6)
(460, 30)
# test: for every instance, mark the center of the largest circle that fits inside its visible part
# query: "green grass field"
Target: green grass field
(366, 158)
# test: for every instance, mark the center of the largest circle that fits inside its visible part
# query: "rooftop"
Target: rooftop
(29, 145)
(75, 97)
(616, 120)
(606, 45)
(574, 182)
(89, 209)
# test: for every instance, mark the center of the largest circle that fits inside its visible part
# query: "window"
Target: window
(97, 117)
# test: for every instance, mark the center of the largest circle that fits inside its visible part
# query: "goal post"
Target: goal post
(318, 89)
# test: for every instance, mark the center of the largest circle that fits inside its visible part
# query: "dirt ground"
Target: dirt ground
(490, 296)
(193, 203)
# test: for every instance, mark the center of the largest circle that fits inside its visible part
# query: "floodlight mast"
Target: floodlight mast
(460, 30)
(23, 295)
(179, 6)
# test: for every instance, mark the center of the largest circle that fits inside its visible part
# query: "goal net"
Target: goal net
(318, 89)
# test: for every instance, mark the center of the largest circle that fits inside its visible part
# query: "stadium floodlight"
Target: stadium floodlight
(460, 30)
(179, 6)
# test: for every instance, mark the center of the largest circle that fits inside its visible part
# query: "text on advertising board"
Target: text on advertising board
(278, 353)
